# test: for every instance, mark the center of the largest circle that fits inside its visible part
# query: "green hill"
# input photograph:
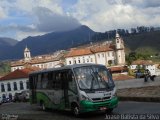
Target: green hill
(144, 42)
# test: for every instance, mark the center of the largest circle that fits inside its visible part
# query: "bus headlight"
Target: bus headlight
(114, 93)
(85, 97)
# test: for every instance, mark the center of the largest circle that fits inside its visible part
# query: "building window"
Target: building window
(113, 54)
(83, 60)
(99, 55)
(69, 62)
(102, 54)
(87, 60)
(108, 54)
(21, 85)
(9, 86)
(91, 60)
(2, 88)
(15, 85)
(74, 61)
(79, 61)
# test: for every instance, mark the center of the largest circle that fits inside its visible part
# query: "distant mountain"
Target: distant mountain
(6, 44)
(7, 41)
(50, 42)
(143, 40)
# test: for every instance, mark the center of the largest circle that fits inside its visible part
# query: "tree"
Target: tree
(110, 62)
(131, 57)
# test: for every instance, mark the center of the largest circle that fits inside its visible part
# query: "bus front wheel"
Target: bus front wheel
(75, 110)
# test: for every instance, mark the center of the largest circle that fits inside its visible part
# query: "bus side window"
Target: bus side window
(50, 80)
(39, 82)
(72, 83)
(57, 81)
(44, 80)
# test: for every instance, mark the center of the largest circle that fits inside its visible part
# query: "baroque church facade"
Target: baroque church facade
(107, 53)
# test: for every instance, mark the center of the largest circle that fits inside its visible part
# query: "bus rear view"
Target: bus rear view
(81, 88)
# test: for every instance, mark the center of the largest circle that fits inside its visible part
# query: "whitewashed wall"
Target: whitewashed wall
(5, 82)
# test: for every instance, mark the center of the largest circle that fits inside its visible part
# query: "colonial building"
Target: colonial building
(44, 61)
(15, 82)
(144, 64)
(107, 53)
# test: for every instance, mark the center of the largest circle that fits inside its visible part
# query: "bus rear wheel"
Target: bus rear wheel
(43, 107)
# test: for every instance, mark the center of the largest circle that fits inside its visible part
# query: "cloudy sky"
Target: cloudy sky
(22, 18)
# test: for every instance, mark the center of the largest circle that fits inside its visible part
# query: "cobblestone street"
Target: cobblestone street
(151, 91)
(25, 111)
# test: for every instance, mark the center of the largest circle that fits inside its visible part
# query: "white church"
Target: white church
(43, 61)
(107, 53)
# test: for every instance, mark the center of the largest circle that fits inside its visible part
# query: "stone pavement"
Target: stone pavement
(138, 90)
(135, 83)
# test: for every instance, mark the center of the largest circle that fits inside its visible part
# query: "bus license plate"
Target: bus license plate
(103, 108)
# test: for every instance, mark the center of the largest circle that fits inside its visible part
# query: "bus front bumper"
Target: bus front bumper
(88, 106)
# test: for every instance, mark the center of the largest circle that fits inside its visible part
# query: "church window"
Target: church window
(91, 60)
(21, 85)
(117, 41)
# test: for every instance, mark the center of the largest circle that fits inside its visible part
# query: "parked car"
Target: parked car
(5, 100)
(139, 74)
(0, 100)
(21, 97)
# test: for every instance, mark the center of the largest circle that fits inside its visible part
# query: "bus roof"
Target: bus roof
(65, 67)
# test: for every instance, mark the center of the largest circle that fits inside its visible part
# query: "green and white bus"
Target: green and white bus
(79, 88)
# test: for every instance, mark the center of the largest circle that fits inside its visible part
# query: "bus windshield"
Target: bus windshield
(93, 78)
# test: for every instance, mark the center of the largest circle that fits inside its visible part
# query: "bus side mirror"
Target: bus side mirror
(110, 72)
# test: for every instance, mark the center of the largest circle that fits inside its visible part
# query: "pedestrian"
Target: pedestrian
(147, 75)
(152, 77)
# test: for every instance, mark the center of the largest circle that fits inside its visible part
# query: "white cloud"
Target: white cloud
(104, 15)
(21, 35)
(33, 17)
(29, 5)
(45, 15)
(2, 13)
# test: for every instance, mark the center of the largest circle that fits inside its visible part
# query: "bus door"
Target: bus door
(69, 87)
(32, 85)
(65, 80)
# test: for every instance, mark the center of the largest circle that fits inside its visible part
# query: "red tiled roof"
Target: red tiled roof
(102, 48)
(36, 60)
(90, 50)
(79, 52)
(120, 68)
(142, 62)
(23, 73)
